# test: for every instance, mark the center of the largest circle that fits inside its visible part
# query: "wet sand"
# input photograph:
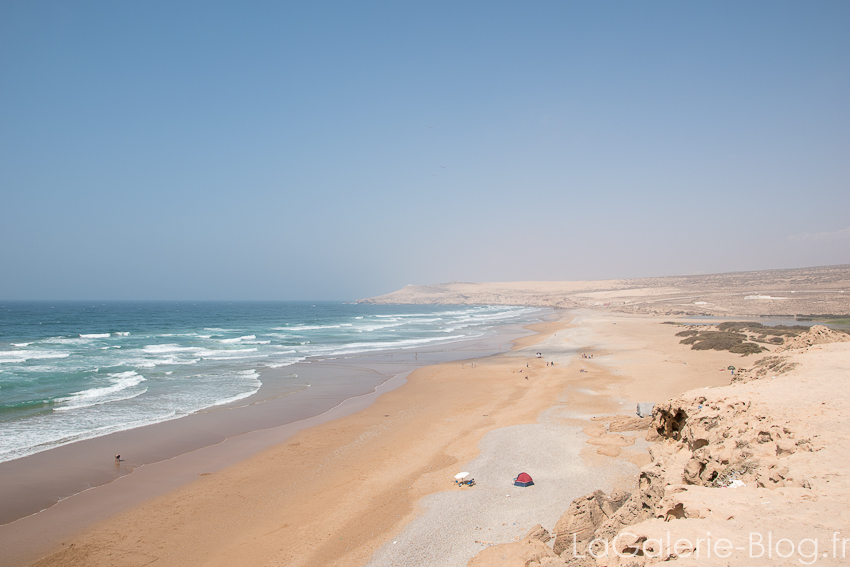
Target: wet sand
(339, 491)
(164, 456)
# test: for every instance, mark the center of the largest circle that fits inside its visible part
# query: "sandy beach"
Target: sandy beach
(374, 487)
(90, 486)
(404, 284)
(368, 479)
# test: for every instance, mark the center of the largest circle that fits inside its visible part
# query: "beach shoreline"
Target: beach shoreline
(167, 455)
(304, 501)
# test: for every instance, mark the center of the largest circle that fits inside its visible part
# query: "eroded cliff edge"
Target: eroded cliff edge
(755, 473)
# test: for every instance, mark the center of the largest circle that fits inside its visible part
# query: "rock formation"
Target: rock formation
(764, 458)
(578, 525)
(817, 335)
(531, 551)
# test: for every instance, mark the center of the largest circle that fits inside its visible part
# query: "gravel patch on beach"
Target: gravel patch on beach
(455, 525)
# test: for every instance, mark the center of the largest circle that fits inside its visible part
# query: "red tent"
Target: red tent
(523, 479)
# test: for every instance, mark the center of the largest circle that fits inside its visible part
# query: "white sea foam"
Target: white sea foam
(306, 327)
(112, 393)
(237, 356)
(377, 327)
(239, 339)
(284, 335)
(168, 348)
(209, 353)
(418, 321)
(63, 340)
(249, 378)
(17, 356)
(11, 357)
(400, 315)
(285, 362)
(349, 348)
(19, 439)
(154, 362)
(197, 369)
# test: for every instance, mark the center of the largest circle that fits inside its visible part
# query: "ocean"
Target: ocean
(77, 370)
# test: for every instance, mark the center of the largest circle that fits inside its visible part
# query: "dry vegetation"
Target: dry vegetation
(738, 337)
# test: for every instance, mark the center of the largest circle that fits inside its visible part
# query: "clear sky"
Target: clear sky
(338, 150)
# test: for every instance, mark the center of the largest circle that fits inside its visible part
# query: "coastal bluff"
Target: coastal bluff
(743, 467)
(823, 290)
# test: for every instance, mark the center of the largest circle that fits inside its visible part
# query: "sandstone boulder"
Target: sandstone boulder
(538, 532)
(576, 528)
(529, 552)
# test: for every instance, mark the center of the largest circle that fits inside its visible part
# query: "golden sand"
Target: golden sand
(336, 492)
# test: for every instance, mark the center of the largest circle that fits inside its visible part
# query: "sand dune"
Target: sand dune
(802, 291)
(375, 488)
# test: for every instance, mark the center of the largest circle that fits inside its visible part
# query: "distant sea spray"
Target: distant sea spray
(76, 370)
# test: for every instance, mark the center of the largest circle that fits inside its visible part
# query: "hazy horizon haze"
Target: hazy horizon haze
(224, 151)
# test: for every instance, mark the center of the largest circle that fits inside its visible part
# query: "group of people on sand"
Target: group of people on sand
(540, 355)
(586, 355)
(547, 364)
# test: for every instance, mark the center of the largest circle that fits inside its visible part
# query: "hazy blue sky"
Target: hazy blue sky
(273, 150)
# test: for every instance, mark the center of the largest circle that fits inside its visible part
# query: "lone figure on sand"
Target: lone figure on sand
(117, 459)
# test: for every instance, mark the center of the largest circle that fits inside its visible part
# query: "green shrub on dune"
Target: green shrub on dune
(721, 340)
(746, 348)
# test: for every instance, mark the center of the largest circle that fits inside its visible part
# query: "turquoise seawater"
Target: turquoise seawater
(76, 370)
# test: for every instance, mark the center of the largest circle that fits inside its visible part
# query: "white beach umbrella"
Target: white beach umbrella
(461, 475)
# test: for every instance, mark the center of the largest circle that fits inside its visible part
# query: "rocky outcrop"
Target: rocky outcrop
(709, 442)
(578, 525)
(764, 367)
(767, 456)
(780, 362)
(817, 335)
(622, 423)
(530, 552)
(538, 532)
(724, 439)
